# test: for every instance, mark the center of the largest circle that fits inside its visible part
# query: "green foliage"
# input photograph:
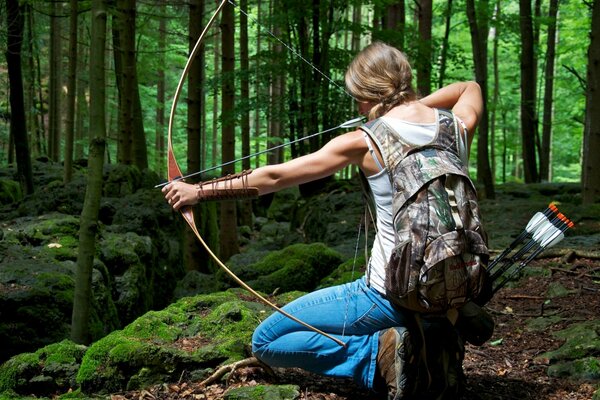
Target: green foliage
(10, 191)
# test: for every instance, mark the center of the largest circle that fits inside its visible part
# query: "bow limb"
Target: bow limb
(174, 171)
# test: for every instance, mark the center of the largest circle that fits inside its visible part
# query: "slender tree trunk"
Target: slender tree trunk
(91, 206)
(55, 89)
(545, 165)
(32, 111)
(18, 129)
(41, 144)
(445, 44)
(132, 139)
(496, 91)
(245, 205)
(215, 96)
(257, 89)
(591, 137)
(71, 92)
(229, 241)
(82, 105)
(479, 29)
(425, 11)
(528, 115)
(159, 137)
(395, 21)
(194, 97)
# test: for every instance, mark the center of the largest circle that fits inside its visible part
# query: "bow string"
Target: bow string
(174, 173)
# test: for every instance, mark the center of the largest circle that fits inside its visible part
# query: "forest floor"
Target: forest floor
(507, 367)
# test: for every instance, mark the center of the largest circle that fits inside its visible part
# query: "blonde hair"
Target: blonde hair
(380, 74)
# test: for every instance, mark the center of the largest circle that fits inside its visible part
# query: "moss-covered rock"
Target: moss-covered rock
(577, 358)
(49, 370)
(36, 300)
(348, 271)
(263, 392)
(297, 267)
(585, 369)
(581, 340)
(10, 191)
(192, 334)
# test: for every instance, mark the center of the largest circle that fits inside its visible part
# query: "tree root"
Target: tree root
(224, 369)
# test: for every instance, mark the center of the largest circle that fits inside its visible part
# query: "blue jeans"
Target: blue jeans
(353, 312)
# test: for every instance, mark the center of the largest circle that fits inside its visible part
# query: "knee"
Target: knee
(259, 341)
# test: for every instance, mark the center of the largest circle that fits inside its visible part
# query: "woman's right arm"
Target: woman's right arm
(463, 98)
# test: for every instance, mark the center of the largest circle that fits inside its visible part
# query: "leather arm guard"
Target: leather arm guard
(223, 188)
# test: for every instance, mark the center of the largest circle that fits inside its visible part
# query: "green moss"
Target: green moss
(542, 323)
(10, 191)
(263, 392)
(15, 367)
(581, 340)
(149, 350)
(587, 369)
(297, 267)
(347, 272)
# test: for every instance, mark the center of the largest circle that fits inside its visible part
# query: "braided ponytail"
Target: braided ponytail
(380, 74)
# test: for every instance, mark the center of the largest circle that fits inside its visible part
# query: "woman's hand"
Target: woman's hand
(180, 194)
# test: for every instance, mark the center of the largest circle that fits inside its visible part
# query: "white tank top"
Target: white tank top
(381, 188)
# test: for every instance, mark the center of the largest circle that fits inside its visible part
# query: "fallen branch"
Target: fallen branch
(570, 272)
(224, 369)
(524, 297)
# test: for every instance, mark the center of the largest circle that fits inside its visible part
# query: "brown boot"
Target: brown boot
(397, 362)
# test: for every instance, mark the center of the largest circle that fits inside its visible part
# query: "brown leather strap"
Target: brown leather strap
(223, 188)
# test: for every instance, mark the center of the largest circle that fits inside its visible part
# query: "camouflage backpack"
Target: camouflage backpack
(440, 254)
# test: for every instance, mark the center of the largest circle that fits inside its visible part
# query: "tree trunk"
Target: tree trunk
(528, 115)
(496, 91)
(195, 257)
(245, 205)
(55, 88)
(82, 105)
(445, 44)
(423, 63)
(545, 165)
(159, 137)
(394, 21)
(91, 206)
(479, 28)
(257, 88)
(32, 111)
(18, 129)
(591, 137)
(71, 92)
(132, 140)
(229, 241)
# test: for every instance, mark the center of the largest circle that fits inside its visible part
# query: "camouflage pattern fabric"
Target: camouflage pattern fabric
(440, 257)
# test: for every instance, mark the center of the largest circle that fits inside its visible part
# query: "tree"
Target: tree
(528, 115)
(132, 139)
(71, 92)
(545, 169)
(18, 130)
(55, 89)
(423, 62)
(445, 44)
(479, 28)
(91, 205)
(229, 241)
(245, 205)
(591, 137)
(159, 137)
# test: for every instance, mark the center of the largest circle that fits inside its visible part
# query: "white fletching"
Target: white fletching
(353, 123)
(536, 220)
(554, 239)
